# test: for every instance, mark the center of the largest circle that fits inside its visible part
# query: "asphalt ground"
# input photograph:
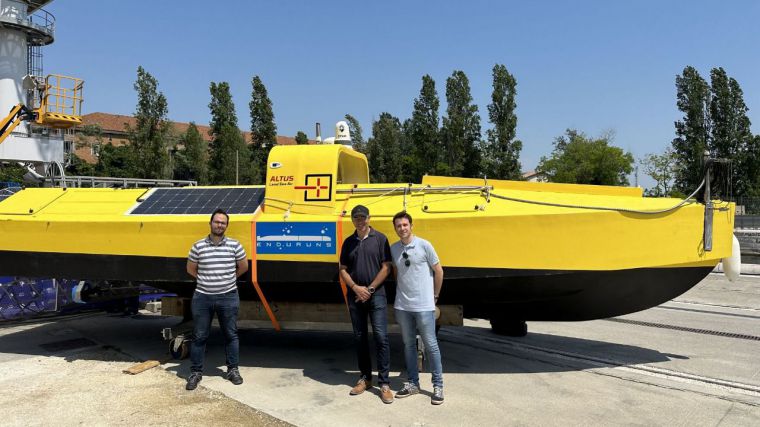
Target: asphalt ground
(692, 361)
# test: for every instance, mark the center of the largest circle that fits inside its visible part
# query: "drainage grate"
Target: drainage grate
(685, 329)
(67, 345)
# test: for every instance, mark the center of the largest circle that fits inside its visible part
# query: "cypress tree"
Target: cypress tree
(384, 149)
(503, 151)
(423, 134)
(356, 134)
(263, 128)
(461, 129)
(196, 154)
(227, 142)
(731, 135)
(150, 138)
(693, 131)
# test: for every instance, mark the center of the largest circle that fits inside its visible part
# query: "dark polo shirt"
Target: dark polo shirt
(364, 257)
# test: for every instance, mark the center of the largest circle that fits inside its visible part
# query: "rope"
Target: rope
(294, 203)
(385, 195)
(603, 208)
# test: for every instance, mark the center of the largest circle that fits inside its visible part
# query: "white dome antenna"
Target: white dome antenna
(342, 134)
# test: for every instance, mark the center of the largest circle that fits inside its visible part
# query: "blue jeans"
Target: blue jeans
(226, 308)
(375, 310)
(423, 322)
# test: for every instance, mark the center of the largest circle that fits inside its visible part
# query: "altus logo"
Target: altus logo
(281, 180)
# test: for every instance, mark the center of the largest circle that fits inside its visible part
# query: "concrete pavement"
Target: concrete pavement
(658, 367)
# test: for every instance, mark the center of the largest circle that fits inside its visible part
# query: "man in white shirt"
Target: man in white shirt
(419, 277)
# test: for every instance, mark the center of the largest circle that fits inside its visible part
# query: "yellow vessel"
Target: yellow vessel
(510, 250)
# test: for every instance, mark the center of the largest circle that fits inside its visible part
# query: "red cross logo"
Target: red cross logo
(317, 187)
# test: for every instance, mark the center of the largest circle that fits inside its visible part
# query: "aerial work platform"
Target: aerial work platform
(61, 103)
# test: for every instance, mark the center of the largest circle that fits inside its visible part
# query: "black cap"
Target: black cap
(359, 210)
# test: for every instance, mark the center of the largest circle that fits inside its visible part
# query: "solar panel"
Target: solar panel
(200, 201)
(8, 192)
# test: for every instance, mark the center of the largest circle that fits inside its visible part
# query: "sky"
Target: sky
(594, 66)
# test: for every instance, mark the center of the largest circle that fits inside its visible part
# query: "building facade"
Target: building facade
(113, 130)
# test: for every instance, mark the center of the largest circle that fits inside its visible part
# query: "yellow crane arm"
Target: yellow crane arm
(18, 114)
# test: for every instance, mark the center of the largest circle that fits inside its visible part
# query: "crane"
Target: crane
(59, 106)
(18, 114)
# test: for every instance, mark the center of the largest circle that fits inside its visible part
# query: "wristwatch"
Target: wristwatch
(371, 289)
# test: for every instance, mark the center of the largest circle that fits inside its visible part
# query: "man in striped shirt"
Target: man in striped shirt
(215, 262)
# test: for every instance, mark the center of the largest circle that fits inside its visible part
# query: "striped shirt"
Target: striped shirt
(217, 264)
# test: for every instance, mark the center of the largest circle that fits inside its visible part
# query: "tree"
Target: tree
(384, 150)
(423, 134)
(693, 131)
(750, 167)
(116, 161)
(662, 169)
(731, 135)
(78, 167)
(715, 121)
(301, 138)
(263, 129)
(461, 129)
(356, 134)
(228, 147)
(582, 160)
(12, 172)
(195, 155)
(181, 166)
(502, 160)
(150, 138)
(411, 163)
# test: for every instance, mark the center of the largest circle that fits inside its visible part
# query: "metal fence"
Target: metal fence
(747, 222)
(747, 206)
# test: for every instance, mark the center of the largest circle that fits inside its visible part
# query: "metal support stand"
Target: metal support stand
(708, 230)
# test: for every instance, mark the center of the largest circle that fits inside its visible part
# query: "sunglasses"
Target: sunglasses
(406, 258)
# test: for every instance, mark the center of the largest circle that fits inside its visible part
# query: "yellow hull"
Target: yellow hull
(491, 232)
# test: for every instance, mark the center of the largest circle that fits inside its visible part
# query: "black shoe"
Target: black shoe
(193, 380)
(408, 390)
(234, 376)
(437, 398)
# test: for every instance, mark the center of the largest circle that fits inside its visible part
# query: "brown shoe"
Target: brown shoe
(386, 394)
(361, 385)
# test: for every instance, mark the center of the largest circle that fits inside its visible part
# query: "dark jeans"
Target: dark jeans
(375, 311)
(226, 308)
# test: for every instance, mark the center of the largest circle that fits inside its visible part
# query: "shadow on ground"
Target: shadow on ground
(327, 357)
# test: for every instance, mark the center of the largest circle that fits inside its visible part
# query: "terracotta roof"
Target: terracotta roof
(117, 123)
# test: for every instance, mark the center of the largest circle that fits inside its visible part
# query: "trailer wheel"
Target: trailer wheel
(179, 347)
(509, 327)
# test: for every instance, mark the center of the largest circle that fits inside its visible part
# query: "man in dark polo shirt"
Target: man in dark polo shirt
(365, 262)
